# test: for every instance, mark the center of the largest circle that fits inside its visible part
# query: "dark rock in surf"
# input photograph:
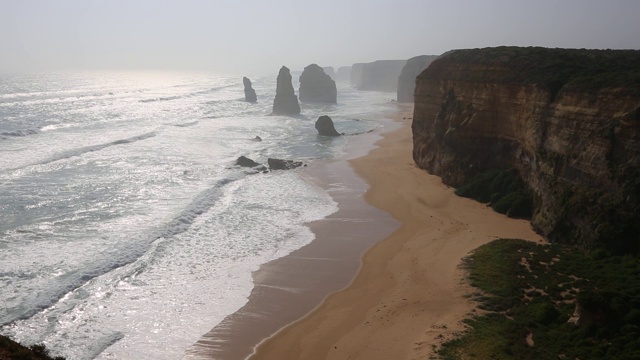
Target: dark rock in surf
(325, 127)
(316, 86)
(249, 92)
(257, 139)
(246, 162)
(280, 164)
(286, 101)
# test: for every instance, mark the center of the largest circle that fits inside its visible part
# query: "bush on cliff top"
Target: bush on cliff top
(583, 69)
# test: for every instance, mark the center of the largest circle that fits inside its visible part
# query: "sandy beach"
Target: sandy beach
(409, 293)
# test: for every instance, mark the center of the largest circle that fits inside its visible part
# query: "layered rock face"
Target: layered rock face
(567, 120)
(249, 93)
(316, 86)
(381, 75)
(286, 101)
(408, 75)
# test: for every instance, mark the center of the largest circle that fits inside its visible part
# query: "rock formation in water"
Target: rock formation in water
(316, 86)
(280, 164)
(325, 127)
(568, 120)
(343, 73)
(286, 101)
(407, 78)
(249, 93)
(381, 75)
(246, 162)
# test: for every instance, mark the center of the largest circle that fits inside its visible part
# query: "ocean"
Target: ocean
(125, 227)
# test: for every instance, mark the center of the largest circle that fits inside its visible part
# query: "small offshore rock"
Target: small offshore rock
(280, 164)
(325, 127)
(246, 162)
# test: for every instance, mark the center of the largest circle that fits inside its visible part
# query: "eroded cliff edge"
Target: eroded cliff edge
(568, 120)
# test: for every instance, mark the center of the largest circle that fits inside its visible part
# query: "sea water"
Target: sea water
(126, 231)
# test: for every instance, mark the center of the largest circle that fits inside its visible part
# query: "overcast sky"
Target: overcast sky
(258, 36)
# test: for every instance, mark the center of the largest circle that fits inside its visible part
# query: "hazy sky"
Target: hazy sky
(258, 36)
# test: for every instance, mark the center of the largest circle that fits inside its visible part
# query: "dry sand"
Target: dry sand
(410, 292)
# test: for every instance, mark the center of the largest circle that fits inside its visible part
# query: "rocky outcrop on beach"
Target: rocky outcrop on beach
(286, 101)
(249, 92)
(316, 86)
(325, 127)
(381, 75)
(567, 120)
(407, 78)
(280, 164)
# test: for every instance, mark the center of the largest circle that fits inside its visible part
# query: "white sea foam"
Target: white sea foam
(126, 230)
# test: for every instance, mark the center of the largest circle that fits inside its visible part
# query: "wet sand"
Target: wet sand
(409, 293)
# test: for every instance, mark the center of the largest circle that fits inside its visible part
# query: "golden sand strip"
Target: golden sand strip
(409, 293)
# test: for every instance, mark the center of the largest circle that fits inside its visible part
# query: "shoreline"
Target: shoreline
(409, 294)
(288, 288)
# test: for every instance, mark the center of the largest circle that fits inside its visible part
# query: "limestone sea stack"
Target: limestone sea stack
(316, 86)
(325, 127)
(286, 101)
(407, 79)
(249, 93)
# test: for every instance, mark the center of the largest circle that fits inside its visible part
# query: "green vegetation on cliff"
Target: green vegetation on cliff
(580, 69)
(503, 189)
(530, 291)
(11, 350)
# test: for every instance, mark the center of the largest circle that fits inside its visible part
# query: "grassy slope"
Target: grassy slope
(530, 289)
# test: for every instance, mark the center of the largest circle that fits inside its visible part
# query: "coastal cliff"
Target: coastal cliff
(407, 78)
(567, 120)
(381, 75)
